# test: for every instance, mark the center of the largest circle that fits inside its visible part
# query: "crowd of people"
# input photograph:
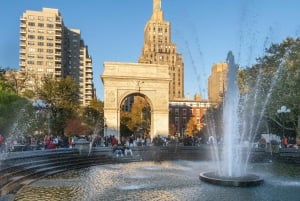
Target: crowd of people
(122, 146)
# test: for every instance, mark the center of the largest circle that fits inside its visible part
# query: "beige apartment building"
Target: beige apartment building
(217, 82)
(49, 48)
(158, 49)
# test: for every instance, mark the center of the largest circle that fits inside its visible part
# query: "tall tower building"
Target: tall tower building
(217, 82)
(158, 49)
(49, 48)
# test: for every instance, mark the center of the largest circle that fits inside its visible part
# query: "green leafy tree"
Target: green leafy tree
(62, 99)
(274, 81)
(11, 107)
(93, 117)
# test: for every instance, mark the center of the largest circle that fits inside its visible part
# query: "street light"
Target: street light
(283, 110)
(139, 82)
(105, 127)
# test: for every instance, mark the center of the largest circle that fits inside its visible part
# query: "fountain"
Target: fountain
(231, 158)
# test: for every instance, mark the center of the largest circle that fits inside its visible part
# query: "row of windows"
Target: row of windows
(41, 18)
(184, 121)
(40, 44)
(30, 36)
(41, 50)
(184, 112)
(32, 30)
(32, 69)
(33, 24)
(32, 56)
(31, 62)
(41, 37)
(159, 29)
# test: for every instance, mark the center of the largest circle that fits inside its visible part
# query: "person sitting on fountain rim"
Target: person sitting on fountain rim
(118, 151)
(127, 151)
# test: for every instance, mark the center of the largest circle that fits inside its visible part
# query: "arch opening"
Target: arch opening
(135, 120)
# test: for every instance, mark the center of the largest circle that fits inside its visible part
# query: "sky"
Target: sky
(203, 30)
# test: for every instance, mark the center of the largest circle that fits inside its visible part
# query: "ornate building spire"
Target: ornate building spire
(156, 5)
(157, 14)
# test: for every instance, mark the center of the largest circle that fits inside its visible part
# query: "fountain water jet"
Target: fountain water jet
(232, 165)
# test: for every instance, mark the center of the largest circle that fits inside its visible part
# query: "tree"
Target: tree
(12, 119)
(191, 128)
(62, 99)
(93, 117)
(274, 81)
(137, 119)
(75, 127)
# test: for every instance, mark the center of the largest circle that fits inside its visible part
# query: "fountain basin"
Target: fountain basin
(247, 180)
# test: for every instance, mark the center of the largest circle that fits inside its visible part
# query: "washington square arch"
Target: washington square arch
(151, 81)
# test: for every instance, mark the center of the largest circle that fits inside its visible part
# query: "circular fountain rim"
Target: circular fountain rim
(247, 180)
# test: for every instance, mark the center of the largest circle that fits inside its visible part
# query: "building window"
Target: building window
(177, 121)
(184, 112)
(198, 112)
(40, 25)
(50, 26)
(32, 24)
(49, 38)
(176, 111)
(49, 63)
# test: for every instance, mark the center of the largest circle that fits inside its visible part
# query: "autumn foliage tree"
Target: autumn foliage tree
(138, 118)
(75, 127)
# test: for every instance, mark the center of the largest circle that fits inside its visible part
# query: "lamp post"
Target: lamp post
(105, 127)
(283, 110)
(139, 82)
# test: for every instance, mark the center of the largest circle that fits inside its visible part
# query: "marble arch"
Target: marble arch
(150, 80)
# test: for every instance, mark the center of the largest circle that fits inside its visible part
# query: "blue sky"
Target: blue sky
(204, 31)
